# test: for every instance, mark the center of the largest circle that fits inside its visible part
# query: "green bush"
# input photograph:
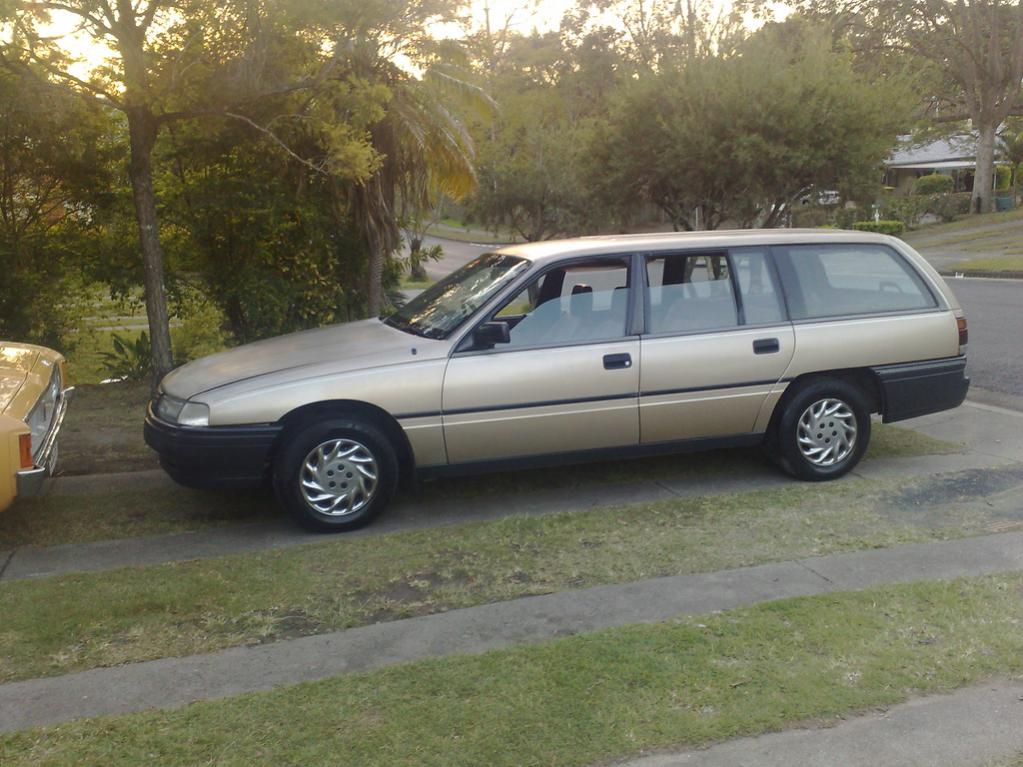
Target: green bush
(935, 183)
(1003, 178)
(905, 208)
(199, 330)
(881, 227)
(129, 360)
(948, 207)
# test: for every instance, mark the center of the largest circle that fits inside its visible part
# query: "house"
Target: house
(954, 156)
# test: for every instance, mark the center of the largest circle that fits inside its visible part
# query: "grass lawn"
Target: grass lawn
(85, 363)
(591, 698)
(967, 223)
(1012, 263)
(104, 434)
(56, 625)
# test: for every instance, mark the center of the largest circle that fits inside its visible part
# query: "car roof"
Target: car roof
(540, 252)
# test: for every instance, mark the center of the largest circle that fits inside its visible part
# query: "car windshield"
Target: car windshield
(438, 310)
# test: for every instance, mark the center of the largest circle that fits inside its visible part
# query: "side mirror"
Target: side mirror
(490, 333)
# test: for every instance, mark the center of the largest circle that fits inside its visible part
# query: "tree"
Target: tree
(552, 91)
(971, 51)
(744, 137)
(54, 167)
(178, 60)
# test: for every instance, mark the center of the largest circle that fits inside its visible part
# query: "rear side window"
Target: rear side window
(839, 280)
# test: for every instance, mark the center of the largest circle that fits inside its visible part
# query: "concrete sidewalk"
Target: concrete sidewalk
(172, 682)
(968, 728)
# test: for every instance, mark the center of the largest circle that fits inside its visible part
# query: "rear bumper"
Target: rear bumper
(918, 388)
(213, 456)
(30, 481)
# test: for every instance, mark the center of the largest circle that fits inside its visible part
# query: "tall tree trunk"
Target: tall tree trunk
(142, 129)
(983, 177)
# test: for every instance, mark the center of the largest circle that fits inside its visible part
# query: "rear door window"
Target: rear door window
(841, 280)
(761, 298)
(690, 293)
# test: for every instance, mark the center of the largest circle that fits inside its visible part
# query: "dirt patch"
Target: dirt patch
(103, 430)
(957, 488)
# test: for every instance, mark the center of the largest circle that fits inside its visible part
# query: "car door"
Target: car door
(716, 343)
(566, 380)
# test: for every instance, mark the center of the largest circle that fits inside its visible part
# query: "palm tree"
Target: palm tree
(422, 143)
(426, 152)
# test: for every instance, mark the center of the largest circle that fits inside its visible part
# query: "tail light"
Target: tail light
(964, 334)
(25, 448)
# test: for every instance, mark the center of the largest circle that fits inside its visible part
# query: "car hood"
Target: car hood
(333, 349)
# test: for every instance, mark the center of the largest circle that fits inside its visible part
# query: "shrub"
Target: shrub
(935, 183)
(881, 227)
(905, 208)
(129, 360)
(1003, 178)
(948, 206)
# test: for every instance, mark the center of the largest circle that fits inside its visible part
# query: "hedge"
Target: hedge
(934, 183)
(881, 227)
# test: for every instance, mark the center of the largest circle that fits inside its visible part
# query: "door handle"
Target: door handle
(617, 361)
(766, 346)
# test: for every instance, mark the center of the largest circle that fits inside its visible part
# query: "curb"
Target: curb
(980, 274)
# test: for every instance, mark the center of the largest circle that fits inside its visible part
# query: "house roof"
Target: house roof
(961, 150)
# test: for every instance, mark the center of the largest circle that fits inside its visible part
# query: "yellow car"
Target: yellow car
(33, 401)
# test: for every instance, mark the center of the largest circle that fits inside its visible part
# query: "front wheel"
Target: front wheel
(823, 430)
(336, 475)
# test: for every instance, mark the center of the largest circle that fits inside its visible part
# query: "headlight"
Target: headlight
(168, 408)
(194, 414)
(179, 411)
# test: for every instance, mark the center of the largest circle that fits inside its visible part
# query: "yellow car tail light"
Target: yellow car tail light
(25, 448)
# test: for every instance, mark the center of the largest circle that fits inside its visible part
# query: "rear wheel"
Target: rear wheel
(336, 475)
(823, 431)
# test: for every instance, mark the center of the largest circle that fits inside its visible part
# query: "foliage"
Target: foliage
(54, 166)
(200, 328)
(1003, 178)
(966, 55)
(905, 208)
(948, 207)
(130, 360)
(881, 227)
(552, 94)
(273, 246)
(746, 137)
(934, 183)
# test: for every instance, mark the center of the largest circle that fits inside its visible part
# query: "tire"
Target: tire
(823, 431)
(335, 475)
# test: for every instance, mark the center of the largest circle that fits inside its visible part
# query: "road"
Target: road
(994, 310)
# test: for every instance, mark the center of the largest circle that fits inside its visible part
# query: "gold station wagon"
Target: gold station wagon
(582, 349)
(33, 401)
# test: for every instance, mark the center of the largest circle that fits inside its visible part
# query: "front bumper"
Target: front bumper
(30, 481)
(918, 388)
(212, 456)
